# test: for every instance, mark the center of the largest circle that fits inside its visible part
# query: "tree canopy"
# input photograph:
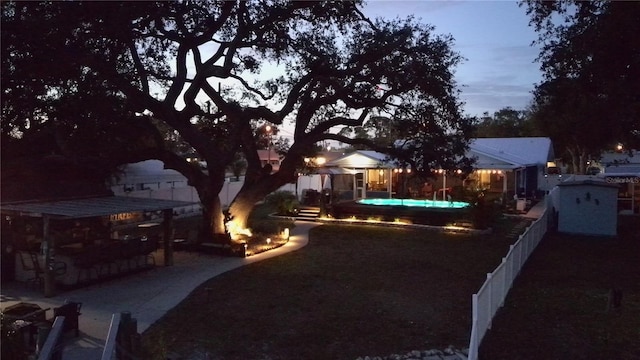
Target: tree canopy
(211, 74)
(590, 56)
(506, 122)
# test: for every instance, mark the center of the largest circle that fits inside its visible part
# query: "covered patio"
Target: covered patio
(54, 235)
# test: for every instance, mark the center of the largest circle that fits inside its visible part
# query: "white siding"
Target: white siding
(587, 209)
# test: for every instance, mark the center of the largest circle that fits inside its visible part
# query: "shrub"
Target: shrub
(482, 213)
(261, 222)
(284, 202)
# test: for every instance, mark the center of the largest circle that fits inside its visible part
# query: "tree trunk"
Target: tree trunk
(582, 157)
(253, 191)
(245, 201)
(212, 214)
(578, 160)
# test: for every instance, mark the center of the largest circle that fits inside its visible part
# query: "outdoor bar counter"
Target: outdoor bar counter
(79, 264)
(67, 230)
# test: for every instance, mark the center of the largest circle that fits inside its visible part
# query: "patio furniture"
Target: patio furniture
(86, 262)
(189, 243)
(30, 263)
(147, 248)
(109, 256)
(130, 249)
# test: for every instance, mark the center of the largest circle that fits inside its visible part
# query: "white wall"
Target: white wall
(149, 179)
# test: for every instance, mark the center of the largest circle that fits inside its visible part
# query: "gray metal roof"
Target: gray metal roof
(89, 207)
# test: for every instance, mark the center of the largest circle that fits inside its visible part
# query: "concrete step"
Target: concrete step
(308, 213)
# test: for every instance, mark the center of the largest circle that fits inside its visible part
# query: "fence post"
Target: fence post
(51, 348)
(474, 341)
(512, 273)
(503, 288)
(111, 342)
(522, 246)
(127, 340)
(490, 291)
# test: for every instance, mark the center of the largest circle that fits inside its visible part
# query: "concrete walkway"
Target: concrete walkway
(536, 210)
(147, 295)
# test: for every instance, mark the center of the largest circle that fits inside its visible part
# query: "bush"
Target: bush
(482, 213)
(261, 222)
(284, 202)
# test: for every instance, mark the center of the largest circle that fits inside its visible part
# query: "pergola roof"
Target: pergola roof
(362, 159)
(89, 207)
(334, 171)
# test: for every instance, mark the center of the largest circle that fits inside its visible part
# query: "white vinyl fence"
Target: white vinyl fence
(493, 292)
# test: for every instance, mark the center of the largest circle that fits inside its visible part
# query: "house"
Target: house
(505, 165)
(270, 157)
(512, 165)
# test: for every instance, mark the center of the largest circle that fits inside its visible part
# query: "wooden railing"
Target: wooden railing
(52, 347)
(123, 340)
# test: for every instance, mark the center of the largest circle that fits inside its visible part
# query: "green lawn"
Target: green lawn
(353, 291)
(558, 307)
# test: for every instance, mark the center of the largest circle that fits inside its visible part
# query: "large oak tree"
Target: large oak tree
(212, 72)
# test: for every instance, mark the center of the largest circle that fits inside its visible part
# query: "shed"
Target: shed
(587, 207)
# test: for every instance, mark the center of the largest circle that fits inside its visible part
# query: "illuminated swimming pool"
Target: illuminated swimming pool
(427, 212)
(439, 204)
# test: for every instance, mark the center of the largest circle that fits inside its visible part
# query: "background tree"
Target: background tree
(381, 130)
(506, 122)
(316, 65)
(590, 56)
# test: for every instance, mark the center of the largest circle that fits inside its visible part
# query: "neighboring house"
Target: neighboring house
(270, 157)
(150, 179)
(147, 175)
(623, 169)
(506, 165)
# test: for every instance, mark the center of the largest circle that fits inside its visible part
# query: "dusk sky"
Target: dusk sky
(495, 39)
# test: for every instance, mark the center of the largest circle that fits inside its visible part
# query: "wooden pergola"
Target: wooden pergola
(86, 208)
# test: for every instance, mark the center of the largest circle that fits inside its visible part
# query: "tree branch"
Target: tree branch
(181, 75)
(144, 82)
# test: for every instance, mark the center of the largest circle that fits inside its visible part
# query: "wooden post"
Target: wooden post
(49, 280)
(168, 238)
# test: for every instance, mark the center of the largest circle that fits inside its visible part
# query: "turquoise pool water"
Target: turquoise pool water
(439, 204)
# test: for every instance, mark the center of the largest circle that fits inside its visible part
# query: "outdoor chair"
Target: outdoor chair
(130, 250)
(109, 256)
(86, 262)
(32, 263)
(147, 249)
(190, 243)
